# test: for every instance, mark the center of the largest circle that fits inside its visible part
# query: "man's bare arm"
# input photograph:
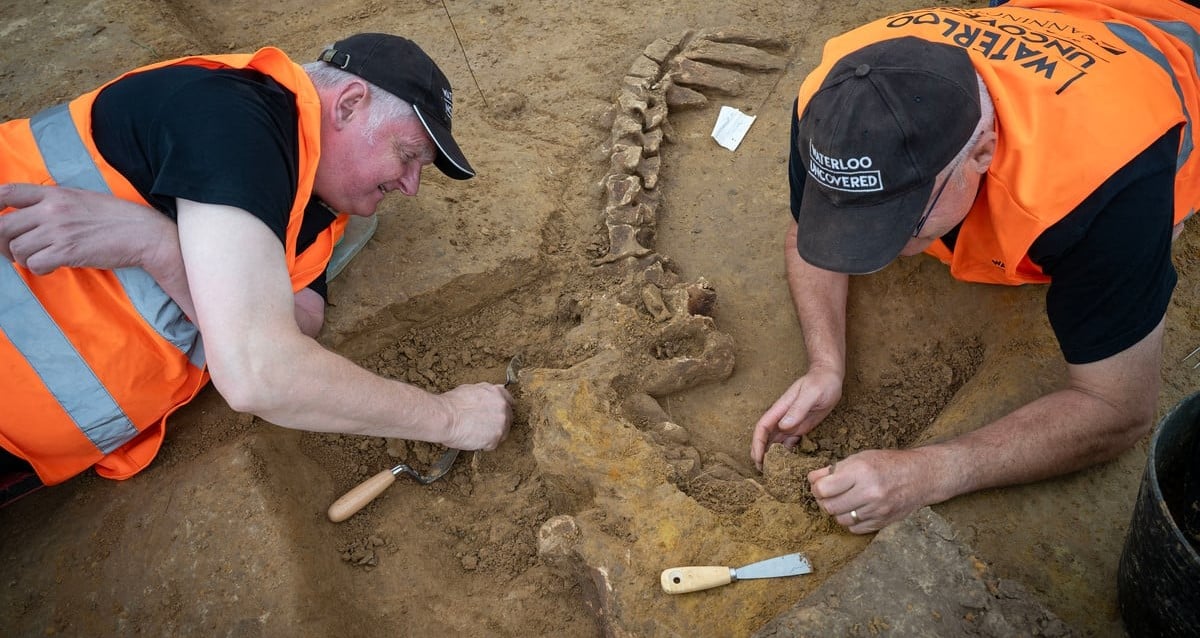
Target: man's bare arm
(1106, 407)
(819, 297)
(263, 364)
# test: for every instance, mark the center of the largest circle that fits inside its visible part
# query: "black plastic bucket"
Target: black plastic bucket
(1158, 581)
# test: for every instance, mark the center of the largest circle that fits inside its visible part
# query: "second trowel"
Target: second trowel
(365, 492)
(680, 580)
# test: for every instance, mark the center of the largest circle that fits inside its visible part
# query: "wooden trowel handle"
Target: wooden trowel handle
(680, 580)
(363, 493)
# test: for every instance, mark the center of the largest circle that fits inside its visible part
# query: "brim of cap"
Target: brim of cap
(857, 240)
(450, 159)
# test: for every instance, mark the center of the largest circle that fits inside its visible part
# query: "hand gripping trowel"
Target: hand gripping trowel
(365, 492)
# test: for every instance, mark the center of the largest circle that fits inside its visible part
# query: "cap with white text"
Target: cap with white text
(398, 66)
(886, 120)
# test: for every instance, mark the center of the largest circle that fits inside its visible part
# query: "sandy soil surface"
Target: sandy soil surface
(226, 533)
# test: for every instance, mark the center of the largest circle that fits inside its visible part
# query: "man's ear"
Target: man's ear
(984, 151)
(350, 100)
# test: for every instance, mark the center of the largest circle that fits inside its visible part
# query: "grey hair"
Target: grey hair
(987, 121)
(384, 106)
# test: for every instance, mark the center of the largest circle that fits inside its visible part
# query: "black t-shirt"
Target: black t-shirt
(1109, 259)
(214, 136)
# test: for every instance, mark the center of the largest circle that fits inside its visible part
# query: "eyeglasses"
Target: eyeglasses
(933, 203)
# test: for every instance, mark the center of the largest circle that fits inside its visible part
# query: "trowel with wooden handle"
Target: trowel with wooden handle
(365, 492)
(680, 580)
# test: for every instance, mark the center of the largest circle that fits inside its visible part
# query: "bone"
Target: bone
(622, 189)
(660, 50)
(622, 242)
(653, 301)
(626, 127)
(682, 97)
(648, 170)
(671, 72)
(707, 76)
(644, 67)
(739, 55)
(741, 37)
(636, 214)
(626, 158)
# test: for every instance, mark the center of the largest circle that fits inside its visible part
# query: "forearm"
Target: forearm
(290, 380)
(1058, 433)
(56, 227)
(1107, 406)
(261, 362)
(163, 260)
(1054, 435)
(819, 298)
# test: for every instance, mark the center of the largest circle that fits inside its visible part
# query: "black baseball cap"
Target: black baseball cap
(874, 136)
(398, 66)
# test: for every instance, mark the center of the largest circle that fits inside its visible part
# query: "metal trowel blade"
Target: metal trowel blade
(440, 467)
(786, 565)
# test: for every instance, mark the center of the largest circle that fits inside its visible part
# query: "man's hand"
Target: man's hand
(481, 413)
(55, 227)
(1106, 408)
(880, 487)
(310, 311)
(820, 299)
(805, 404)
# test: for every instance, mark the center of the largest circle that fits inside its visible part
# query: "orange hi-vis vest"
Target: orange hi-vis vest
(1080, 88)
(92, 362)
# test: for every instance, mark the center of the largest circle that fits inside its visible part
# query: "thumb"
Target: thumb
(795, 415)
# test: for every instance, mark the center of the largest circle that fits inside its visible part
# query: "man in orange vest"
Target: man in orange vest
(1041, 141)
(178, 222)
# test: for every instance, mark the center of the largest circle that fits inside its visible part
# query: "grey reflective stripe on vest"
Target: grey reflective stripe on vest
(70, 164)
(162, 313)
(63, 152)
(66, 374)
(1141, 44)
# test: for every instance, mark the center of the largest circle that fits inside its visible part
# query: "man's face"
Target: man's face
(956, 189)
(358, 168)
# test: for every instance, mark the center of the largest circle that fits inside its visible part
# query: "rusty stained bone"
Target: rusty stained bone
(622, 189)
(683, 347)
(602, 472)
